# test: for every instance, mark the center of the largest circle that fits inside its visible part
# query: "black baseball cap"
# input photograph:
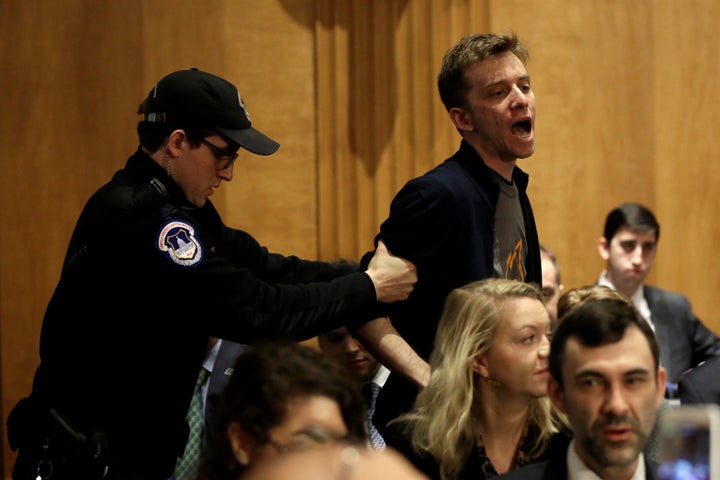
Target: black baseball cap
(194, 98)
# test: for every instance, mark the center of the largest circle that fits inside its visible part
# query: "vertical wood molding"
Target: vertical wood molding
(626, 111)
(380, 119)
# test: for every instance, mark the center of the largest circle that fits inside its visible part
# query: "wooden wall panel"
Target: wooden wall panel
(590, 154)
(67, 124)
(687, 171)
(275, 197)
(380, 119)
(74, 72)
(626, 111)
(267, 50)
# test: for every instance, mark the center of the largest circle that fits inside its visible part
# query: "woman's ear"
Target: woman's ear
(480, 366)
(240, 442)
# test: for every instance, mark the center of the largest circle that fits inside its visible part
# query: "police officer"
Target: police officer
(151, 272)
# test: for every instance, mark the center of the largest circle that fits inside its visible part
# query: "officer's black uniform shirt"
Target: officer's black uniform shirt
(146, 280)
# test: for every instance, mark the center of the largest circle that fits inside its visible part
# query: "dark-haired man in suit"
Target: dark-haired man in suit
(628, 245)
(218, 362)
(227, 353)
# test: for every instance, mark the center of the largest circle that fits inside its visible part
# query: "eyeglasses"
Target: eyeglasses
(304, 440)
(222, 155)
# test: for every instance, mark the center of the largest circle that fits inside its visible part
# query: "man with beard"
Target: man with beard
(606, 377)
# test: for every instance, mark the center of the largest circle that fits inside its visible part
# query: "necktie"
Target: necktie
(370, 391)
(187, 465)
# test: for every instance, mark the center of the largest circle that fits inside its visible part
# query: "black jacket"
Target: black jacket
(146, 280)
(443, 222)
(701, 384)
(684, 340)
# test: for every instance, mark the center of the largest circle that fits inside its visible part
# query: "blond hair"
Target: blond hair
(442, 422)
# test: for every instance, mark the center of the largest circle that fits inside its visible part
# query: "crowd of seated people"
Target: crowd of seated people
(485, 411)
(500, 401)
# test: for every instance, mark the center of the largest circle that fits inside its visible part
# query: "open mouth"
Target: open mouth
(522, 128)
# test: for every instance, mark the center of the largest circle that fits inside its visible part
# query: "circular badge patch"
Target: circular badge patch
(176, 240)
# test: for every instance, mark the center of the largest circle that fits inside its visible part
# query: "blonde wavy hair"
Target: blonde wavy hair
(443, 421)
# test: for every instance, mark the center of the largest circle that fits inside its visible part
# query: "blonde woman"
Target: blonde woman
(485, 409)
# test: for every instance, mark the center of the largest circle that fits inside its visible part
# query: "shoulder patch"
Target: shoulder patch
(176, 240)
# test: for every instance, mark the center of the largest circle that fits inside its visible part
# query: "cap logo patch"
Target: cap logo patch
(242, 104)
(176, 240)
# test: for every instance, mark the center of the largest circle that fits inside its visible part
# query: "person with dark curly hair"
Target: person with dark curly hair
(282, 397)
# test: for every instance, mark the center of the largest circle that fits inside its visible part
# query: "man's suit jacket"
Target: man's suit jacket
(701, 384)
(222, 370)
(684, 341)
(556, 469)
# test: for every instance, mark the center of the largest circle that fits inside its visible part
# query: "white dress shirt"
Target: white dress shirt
(637, 298)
